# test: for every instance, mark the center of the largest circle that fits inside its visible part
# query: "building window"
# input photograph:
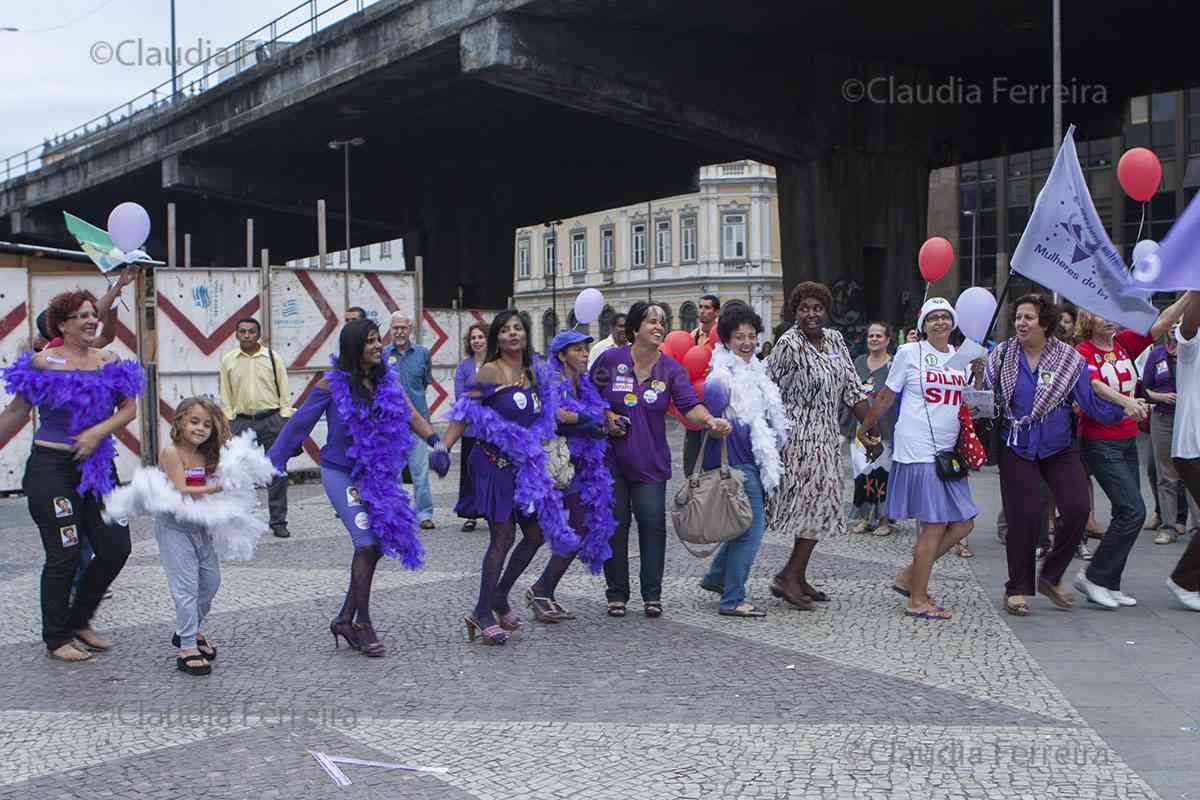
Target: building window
(662, 242)
(637, 245)
(344, 257)
(385, 250)
(579, 251)
(364, 254)
(549, 328)
(608, 251)
(522, 258)
(314, 262)
(548, 255)
(667, 317)
(689, 317)
(687, 233)
(733, 237)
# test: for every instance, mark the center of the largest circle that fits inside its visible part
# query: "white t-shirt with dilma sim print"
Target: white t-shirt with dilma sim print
(923, 385)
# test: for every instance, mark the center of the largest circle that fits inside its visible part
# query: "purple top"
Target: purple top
(716, 400)
(464, 376)
(642, 454)
(518, 406)
(1159, 376)
(53, 422)
(300, 425)
(1053, 434)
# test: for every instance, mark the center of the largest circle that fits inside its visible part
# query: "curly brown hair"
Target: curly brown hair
(482, 327)
(809, 289)
(211, 448)
(63, 306)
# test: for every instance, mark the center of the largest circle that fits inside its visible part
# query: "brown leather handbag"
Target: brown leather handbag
(711, 507)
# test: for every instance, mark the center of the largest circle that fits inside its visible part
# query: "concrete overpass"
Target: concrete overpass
(481, 115)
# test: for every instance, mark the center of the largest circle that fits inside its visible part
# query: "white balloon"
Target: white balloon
(1147, 268)
(128, 226)
(588, 306)
(1144, 248)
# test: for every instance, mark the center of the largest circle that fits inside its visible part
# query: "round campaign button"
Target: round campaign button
(630, 400)
(650, 396)
(622, 369)
(658, 386)
(360, 519)
(520, 400)
(537, 403)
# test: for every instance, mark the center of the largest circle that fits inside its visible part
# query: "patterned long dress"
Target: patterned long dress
(814, 382)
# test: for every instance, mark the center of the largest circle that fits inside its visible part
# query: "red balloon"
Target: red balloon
(935, 258)
(696, 361)
(1139, 173)
(676, 344)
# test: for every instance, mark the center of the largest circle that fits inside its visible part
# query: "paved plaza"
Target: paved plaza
(853, 700)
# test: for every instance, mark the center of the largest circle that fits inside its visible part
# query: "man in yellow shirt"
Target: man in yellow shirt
(255, 395)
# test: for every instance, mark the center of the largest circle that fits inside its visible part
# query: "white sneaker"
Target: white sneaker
(1190, 600)
(1122, 598)
(1095, 594)
(1082, 552)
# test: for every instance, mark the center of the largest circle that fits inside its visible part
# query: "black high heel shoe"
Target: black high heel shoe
(368, 643)
(344, 629)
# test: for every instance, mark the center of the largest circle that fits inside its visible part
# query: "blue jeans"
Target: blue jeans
(1114, 464)
(731, 567)
(418, 468)
(648, 503)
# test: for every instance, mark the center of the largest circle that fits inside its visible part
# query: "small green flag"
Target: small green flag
(95, 243)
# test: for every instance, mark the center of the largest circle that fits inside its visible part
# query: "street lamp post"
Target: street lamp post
(553, 228)
(974, 269)
(346, 144)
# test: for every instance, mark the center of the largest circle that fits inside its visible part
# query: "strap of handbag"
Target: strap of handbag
(275, 378)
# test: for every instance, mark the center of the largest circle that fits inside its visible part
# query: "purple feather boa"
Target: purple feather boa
(380, 441)
(91, 397)
(591, 473)
(523, 446)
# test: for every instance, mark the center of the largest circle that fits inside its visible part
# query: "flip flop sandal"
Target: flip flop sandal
(616, 609)
(1016, 609)
(69, 653)
(652, 609)
(193, 665)
(744, 610)
(934, 613)
(904, 592)
(207, 650)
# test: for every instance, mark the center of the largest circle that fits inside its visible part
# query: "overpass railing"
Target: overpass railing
(267, 44)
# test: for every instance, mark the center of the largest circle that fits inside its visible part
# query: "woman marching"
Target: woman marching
(739, 389)
(589, 497)
(870, 487)
(83, 395)
(512, 406)
(812, 368)
(464, 376)
(928, 426)
(369, 422)
(1038, 378)
(638, 383)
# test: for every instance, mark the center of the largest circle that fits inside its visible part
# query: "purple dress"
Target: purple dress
(493, 475)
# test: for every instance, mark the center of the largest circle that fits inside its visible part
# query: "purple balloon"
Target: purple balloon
(129, 226)
(975, 308)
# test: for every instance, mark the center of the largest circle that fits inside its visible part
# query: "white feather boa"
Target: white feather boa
(755, 402)
(228, 515)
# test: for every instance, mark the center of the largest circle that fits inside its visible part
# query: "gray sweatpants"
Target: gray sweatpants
(193, 573)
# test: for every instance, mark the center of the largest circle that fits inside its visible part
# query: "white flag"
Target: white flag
(1066, 249)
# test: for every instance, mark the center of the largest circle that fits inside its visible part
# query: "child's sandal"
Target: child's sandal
(194, 664)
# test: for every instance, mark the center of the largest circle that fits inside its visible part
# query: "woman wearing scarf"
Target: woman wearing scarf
(931, 398)
(513, 407)
(588, 499)
(739, 389)
(1037, 377)
(367, 444)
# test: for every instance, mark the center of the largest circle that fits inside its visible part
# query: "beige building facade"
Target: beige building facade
(723, 240)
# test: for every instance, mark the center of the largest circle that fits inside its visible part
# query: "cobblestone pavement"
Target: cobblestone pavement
(853, 700)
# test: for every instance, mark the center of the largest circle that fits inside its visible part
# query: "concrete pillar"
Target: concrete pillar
(832, 210)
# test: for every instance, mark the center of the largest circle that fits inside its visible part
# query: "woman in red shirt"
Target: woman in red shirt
(1110, 451)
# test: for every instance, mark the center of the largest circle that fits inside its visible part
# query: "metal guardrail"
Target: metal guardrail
(264, 44)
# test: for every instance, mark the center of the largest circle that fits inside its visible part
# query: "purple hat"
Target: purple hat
(566, 339)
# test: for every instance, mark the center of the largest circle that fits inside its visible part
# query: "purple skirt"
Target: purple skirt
(493, 487)
(914, 491)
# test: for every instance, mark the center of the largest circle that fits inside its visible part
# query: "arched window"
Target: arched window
(606, 322)
(668, 322)
(549, 329)
(689, 317)
(576, 325)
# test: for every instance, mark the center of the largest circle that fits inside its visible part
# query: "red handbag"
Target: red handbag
(969, 448)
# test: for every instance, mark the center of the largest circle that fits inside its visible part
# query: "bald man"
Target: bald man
(413, 367)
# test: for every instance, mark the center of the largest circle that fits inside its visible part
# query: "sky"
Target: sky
(50, 78)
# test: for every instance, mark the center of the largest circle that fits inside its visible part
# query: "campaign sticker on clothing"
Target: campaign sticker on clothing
(658, 385)
(69, 536)
(392, 359)
(623, 385)
(1110, 356)
(1045, 376)
(62, 507)
(56, 360)
(631, 400)
(650, 396)
(537, 402)
(622, 368)
(1162, 368)
(520, 400)
(352, 496)
(360, 519)
(193, 476)
(931, 360)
